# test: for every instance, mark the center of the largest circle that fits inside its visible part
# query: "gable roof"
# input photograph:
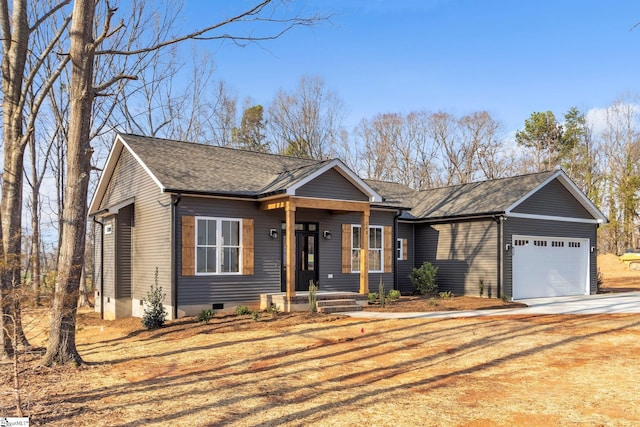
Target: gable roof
(396, 195)
(492, 197)
(191, 168)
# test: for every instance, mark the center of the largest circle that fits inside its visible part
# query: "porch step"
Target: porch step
(337, 305)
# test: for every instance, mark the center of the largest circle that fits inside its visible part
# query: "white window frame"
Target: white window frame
(399, 249)
(357, 248)
(219, 246)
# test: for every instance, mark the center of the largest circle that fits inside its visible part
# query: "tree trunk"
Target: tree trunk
(15, 45)
(62, 335)
(35, 226)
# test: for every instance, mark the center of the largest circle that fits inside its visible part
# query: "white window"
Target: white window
(218, 245)
(399, 249)
(375, 249)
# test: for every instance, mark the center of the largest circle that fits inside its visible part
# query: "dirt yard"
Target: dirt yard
(302, 369)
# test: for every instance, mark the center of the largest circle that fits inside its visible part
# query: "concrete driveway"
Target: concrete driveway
(614, 303)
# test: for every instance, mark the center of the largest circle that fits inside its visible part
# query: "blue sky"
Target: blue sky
(510, 58)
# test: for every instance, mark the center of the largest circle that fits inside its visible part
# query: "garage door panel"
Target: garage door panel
(545, 267)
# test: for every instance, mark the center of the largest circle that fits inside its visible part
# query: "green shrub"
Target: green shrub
(255, 315)
(274, 310)
(446, 295)
(394, 295)
(154, 312)
(424, 278)
(504, 298)
(372, 297)
(481, 287)
(381, 293)
(242, 309)
(433, 302)
(205, 316)
(313, 296)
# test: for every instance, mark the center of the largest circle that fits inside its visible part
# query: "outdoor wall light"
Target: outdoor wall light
(593, 249)
(326, 234)
(273, 233)
(507, 247)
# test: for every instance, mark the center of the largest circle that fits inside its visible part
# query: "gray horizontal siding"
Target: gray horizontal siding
(109, 259)
(211, 289)
(464, 252)
(267, 253)
(331, 185)
(529, 227)
(151, 233)
(405, 231)
(554, 200)
(331, 250)
(124, 253)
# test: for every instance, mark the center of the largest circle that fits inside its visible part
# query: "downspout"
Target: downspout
(174, 251)
(101, 266)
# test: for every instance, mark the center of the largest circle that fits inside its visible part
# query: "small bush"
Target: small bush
(274, 310)
(372, 297)
(255, 315)
(481, 287)
(424, 278)
(394, 295)
(433, 302)
(242, 309)
(504, 298)
(446, 295)
(313, 296)
(154, 312)
(205, 316)
(599, 280)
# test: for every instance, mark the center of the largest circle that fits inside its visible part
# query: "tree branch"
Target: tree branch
(44, 17)
(249, 15)
(111, 81)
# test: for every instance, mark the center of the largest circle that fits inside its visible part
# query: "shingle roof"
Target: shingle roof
(191, 167)
(478, 198)
(395, 194)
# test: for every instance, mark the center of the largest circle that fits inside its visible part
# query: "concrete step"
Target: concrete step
(328, 302)
(339, 308)
(337, 305)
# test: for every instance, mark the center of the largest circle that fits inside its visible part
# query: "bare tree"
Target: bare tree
(306, 122)
(621, 140)
(84, 50)
(18, 125)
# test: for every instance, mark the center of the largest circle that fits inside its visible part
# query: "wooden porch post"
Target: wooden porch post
(364, 252)
(290, 241)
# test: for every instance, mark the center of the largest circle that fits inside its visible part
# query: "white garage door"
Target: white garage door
(549, 266)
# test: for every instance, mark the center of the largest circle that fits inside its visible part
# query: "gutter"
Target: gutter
(101, 266)
(174, 252)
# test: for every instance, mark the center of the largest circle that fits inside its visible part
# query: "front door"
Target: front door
(306, 250)
(306, 259)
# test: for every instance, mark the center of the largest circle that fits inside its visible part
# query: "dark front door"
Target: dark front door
(306, 259)
(306, 256)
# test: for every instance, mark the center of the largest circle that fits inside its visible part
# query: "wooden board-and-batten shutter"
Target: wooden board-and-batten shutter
(346, 248)
(405, 251)
(188, 246)
(388, 249)
(247, 246)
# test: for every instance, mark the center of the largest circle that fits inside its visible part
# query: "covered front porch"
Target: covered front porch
(290, 299)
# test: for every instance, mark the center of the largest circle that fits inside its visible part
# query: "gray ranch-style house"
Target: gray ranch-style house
(218, 227)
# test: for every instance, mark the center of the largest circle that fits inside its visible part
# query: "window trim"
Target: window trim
(219, 247)
(399, 249)
(380, 249)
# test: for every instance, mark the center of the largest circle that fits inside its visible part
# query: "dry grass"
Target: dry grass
(302, 369)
